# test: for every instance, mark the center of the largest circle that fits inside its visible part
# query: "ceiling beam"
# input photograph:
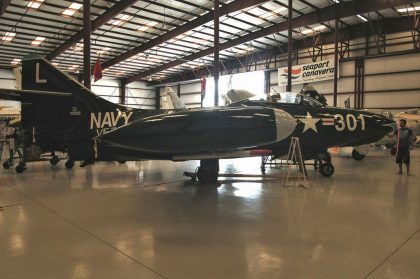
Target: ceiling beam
(328, 13)
(224, 10)
(96, 24)
(392, 25)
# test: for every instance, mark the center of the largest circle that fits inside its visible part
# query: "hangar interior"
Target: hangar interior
(144, 219)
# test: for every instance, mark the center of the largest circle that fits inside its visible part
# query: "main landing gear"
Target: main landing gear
(54, 159)
(356, 155)
(323, 165)
(8, 164)
(207, 172)
(21, 167)
(69, 164)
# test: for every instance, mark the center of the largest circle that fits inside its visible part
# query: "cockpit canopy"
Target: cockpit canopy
(294, 98)
(237, 96)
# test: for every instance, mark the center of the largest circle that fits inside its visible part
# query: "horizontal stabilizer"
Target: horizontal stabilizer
(16, 95)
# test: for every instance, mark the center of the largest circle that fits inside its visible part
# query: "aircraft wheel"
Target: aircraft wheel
(20, 168)
(326, 169)
(54, 160)
(356, 155)
(69, 164)
(7, 164)
(207, 176)
(208, 172)
(121, 161)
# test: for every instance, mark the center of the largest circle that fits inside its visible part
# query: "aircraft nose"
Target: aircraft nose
(387, 124)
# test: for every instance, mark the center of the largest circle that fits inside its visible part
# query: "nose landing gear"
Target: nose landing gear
(54, 160)
(324, 165)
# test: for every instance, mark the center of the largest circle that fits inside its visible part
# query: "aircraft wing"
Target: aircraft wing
(16, 94)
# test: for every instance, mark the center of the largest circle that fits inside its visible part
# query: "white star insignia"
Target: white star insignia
(310, 123)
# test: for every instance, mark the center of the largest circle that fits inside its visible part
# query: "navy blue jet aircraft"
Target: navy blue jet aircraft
(60, 114)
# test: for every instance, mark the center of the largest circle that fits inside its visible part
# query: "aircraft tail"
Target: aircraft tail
(172, 101)
(40, 75)
(60, 114)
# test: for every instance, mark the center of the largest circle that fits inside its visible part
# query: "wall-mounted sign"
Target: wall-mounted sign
(306, 73)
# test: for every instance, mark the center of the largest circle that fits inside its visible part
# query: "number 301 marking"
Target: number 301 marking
(350, 122)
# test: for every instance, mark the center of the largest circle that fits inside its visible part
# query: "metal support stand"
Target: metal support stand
(294, 157)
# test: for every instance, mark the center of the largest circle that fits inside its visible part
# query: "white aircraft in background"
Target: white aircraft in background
(359, 152)
(171, 101)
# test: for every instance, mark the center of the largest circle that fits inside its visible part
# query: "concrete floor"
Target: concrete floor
(144, 220)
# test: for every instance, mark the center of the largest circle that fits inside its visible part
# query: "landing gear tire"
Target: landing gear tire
(208, 172)
(20, 168)
(206, 177)
(356, 155)
(121, 161)
(326, 169)
(8, 164)
(54, 160)
(69, 164)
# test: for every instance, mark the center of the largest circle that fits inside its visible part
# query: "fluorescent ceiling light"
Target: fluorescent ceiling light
(68, 12)
(121, 19)
(74, 7)
(104, 50)
(409, 9)
(16, 61)
(8, 36)
(362, 18)
(307, 31)
(78, 47)
(320, 27)
(34, 4)
(73, 68)
(315, 29)
(147, 26)
(37, 41)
